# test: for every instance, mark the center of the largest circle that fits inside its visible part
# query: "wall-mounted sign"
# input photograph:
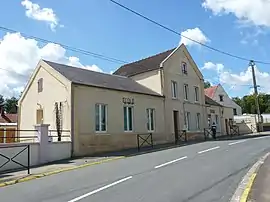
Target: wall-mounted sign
(212, 111)
(129, 101)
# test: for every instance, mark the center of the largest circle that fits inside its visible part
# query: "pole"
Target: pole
(252, 64)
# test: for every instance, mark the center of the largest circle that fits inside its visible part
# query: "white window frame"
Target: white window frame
(99, 105)
(149, 121)
(129, 129)
(198, 121)
(174, 89)
(186, 92)
(196, 92)
(187, 120)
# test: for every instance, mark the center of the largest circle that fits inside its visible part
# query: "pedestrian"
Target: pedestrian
(214, 130)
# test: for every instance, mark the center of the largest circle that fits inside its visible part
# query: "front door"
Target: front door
(176, 126)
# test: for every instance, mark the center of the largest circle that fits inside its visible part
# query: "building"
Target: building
(8, 126)
(174, 75)
(162, 95)
(104, 112)
(218, 94)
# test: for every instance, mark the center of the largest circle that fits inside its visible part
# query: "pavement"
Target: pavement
(205, 172)
(260, 190)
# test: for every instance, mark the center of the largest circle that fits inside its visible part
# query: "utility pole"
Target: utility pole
(252, 64)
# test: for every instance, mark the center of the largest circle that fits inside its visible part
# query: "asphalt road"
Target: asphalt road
(205, 172)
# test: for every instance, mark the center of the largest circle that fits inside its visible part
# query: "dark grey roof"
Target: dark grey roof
(209, 101)
(101, 80)
(144, 65)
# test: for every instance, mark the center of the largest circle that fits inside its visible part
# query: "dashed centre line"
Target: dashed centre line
(100, 189)
(207, 150)
(170, 162)
(238, 142)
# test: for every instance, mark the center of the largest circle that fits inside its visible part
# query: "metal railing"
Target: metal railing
(25, 148)
(55, 137)
(181, 136)
(234, 130)
(207, 133)
(12, 135)
(144, 140)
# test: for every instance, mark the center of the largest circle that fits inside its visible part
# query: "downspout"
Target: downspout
(72, 119)
(162, 81)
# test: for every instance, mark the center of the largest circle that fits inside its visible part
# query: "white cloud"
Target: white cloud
(34, 11)
(195, 34)
(19, 56)
(254, 12)
(238, 80)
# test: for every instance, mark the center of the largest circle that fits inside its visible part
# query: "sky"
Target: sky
(239, 27)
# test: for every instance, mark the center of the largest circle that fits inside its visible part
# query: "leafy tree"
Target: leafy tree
(207, 84)
(11, 105)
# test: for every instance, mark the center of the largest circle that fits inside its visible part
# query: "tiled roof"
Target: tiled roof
(9, 118)
(144, 65)
(209, 101)
(210, 92)
(101, 80)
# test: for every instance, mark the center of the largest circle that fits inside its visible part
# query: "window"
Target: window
(209, 120)
(198, 121)
(196, 89)
(234, 111)
(186, 91)
(40, 85)
(184, 68)
(221, 98)
(101, 117)
(187, 120)
(150, 119)
(217, 122)
(128, 119)
(174, 89)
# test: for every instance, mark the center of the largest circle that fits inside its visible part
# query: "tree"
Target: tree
(11, 105)
(207, 84)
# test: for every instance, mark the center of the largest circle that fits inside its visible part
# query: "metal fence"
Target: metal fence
(144, 140)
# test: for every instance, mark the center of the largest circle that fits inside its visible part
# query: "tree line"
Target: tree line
(247, 103)
(9, 104)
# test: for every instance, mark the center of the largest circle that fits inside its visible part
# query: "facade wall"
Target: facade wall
(88, 141)
(173, 72)
(227, 101)
(151, 79)
(55, 89)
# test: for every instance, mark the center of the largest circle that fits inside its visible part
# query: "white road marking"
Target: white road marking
(100, 189)
(257, 138)
(207, 150)
(238, 142)
(164, 164)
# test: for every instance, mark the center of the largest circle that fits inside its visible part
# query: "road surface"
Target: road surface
(204, 172)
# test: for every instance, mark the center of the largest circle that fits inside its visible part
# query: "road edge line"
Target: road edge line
(244, 187)
(40, 175)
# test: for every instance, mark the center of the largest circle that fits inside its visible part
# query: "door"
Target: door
(176, 124)
(226, 125)
(39, 116)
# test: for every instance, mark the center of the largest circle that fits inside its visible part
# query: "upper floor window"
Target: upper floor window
(186, 91)
(40, 85)
(174, 89)
(221, 98)
(234, 111)
(196, 89)
(184, 68)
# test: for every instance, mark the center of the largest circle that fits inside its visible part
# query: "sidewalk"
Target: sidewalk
(71, 164)
(260, 191)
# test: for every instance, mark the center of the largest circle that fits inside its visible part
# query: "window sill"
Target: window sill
(102, 133)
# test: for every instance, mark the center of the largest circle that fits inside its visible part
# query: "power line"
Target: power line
(177, 33)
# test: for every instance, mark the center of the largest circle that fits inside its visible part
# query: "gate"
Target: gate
(23, 148)
(144, 139)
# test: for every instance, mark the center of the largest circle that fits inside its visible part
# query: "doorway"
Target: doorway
(176, 124)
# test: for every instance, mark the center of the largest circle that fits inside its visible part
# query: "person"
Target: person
(214, 130)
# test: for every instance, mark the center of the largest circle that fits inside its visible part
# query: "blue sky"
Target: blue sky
(102, 27)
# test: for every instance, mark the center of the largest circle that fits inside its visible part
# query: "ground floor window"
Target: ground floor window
(187, 120)
(150, 119)
(128, 118)
(198, 121)
(101, 117)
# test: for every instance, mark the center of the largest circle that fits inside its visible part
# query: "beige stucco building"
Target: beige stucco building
(162, 95)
